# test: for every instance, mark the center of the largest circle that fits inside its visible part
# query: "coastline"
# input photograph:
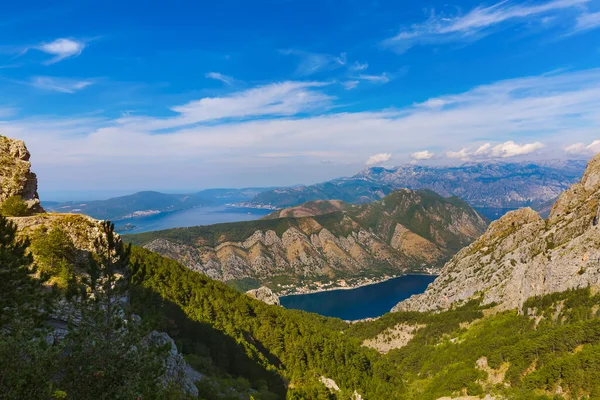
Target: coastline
(369, 281)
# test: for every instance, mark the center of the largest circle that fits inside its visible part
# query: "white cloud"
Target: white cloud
(62, 85)
(502, 150)
(512, 149)
(382, 78)
(277, 99)
(474, 24)
(357, 66)
(422, 155)
(378, 158)
(582, 148)
(228, 80)
(433, 103)
(312, 63)
(349, 85)
(588, 21)
(61, 48)
(557, 109)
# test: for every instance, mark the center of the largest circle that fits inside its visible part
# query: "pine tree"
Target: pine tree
(19, 290)
(25, 357)
(106, 287)
(109, 355)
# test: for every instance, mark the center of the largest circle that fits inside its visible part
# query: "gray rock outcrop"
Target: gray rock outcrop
(177, 370)
(521, 255)
(265, 295)
(16, 178)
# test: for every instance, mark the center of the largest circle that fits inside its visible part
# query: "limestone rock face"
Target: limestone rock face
(265, 295)
(406, 231)
(177, 371)
(16, 178)
(521, 255)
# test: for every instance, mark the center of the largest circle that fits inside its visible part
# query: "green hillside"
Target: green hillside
(246, 349)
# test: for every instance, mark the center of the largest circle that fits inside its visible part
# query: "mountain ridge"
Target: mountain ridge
(483, 184)
(406, 231)
(522, 255)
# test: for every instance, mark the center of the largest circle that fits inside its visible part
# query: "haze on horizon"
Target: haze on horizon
(119, 98)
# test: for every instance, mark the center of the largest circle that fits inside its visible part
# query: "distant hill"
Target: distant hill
(406, 231)
(149, 202)
(309, 209)
(482, 185)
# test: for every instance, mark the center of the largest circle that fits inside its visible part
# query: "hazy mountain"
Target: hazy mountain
(149, 202)
(482, 185)
(406, 231)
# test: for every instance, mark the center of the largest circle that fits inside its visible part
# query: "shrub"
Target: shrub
(14, 206)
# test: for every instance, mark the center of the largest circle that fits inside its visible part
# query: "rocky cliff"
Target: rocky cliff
(521, 255)
(406, 231)
(16, 178)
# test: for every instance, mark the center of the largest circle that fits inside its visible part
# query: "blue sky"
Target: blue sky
(124, 96)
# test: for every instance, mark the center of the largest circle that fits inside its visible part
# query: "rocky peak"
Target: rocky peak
(591, 177)
(16, 178)
(521, 255)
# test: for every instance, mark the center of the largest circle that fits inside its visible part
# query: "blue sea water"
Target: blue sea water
(363, 302)
(190, 217)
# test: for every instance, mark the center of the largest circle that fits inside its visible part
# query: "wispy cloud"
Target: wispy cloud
(501, 120)
(357, 66)
(349, 85)
(228, 80)
(277, 99)
(6, 112)
(61, 49)
(379, 158)
(312, 63)
(62, 85)
(381, 78)
(587, 22)
(502, 150)
(474, 24)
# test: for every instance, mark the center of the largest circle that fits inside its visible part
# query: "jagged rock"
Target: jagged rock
(16, 178)
(177, 371)
(521, 255)
(265, 295)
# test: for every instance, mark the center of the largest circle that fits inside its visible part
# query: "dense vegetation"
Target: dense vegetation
(14, 206)
(246, 349)
(101, 352)
(527, 357)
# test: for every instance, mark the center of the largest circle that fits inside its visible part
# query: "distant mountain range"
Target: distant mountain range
(406, 231)
(482, 185)
(149, 202)
(491, 187)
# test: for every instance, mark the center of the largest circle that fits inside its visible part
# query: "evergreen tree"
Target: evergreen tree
(109, 355)
(25, 357)
(19, 292)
